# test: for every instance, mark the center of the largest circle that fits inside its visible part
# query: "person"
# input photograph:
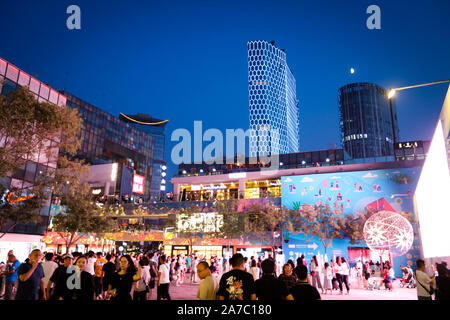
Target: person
(49, 266)
(98, 275)
(86, 290)
(2, 277)
(122, 280)
(188, 264)
(269, 287)
(59, 280)
(237, 284)
(31, 278)
(208, 286)
(153, 270)
(163, 279)
(302, 289)
(12, 266)
(424, 282)
(442, 282)
(91, 260)
(292, 264)
(194, 270)
(327, 277)
(141, 288)
(315, 273)
(177, 270)
(345, 273)
(108, 270)
(338, 268)
(288, 277)
(254, 270)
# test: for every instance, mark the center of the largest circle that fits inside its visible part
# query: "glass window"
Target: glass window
(62, 100)
(8, 86)
(53, 96)
(12, 73)
(44, 91)
(30, 171)
(2, 67)
(24, 79)
(34, 85)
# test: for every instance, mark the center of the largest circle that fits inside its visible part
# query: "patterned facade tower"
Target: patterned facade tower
(273, 104)
(365, 121)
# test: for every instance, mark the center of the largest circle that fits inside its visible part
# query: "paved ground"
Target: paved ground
(188, 291)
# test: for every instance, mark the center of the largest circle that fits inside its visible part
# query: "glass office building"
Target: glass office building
(273, 104)
(105, 138)
(12, 78)
(368, 126)
(157, 129)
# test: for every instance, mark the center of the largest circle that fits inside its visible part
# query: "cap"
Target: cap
(68, 256)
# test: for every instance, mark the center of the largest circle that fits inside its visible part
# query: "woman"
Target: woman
(254, 270)
(86, 290)
(288, 277)
(177, 270)
(345, 273)
(163, 279)
(338, 269)
(315, 275)
(327, 277)
(141, 288)
(442, 283)
(122, 281)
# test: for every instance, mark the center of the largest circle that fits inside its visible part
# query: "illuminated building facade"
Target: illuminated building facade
(273, 104)
(107, 139)
(24, 237)
(365, 121)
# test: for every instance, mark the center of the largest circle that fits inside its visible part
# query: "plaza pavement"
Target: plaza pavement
(188, 291)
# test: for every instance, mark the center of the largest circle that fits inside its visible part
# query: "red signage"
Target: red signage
(138, 184)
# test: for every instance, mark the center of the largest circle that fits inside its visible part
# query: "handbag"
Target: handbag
(430, 292)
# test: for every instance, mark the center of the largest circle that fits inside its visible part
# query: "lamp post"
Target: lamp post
(392, 92)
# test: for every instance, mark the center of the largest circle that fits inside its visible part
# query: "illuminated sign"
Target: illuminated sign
(409, 145)
(237, 175)
(96, 191)
(214, 187)
(138, 184)
(199, 222)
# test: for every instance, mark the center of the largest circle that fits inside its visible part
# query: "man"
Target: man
(208, 287)
(59, 279)
(188, 264)
(237, 284)
(153, 270)
(12, 266)
(98, 274)
(303, 290)
(107, 270)
(90, 263)
(424, 282)
(194, 270)
(31, 278)
(268, 287)
(49, 266)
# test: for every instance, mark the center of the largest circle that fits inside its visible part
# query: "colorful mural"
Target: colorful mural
(388, 190)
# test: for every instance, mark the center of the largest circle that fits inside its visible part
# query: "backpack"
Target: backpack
(153, 273)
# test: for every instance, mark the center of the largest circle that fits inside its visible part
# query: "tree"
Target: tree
(319, 220)
(81, 214)
(232, 220)
(268, 221)
(29, 129)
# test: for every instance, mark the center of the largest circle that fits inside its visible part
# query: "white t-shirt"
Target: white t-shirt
(49, 267)
(145, 278)
(164, 270)
(255, 272)
(90, 265)
(207, 289)
(345, 269)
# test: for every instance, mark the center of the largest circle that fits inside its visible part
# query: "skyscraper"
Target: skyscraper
(365, 121)
(273, 104)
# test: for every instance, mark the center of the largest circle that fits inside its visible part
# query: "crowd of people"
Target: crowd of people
(96, 276)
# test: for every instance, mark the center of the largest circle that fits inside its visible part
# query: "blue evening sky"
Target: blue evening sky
(187, 60)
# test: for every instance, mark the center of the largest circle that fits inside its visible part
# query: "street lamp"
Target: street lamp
(391, 93)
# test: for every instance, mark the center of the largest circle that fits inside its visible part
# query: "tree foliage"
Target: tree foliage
(319, 220)
(30, 129)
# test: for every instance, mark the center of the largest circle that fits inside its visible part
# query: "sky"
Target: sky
(187, 60)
